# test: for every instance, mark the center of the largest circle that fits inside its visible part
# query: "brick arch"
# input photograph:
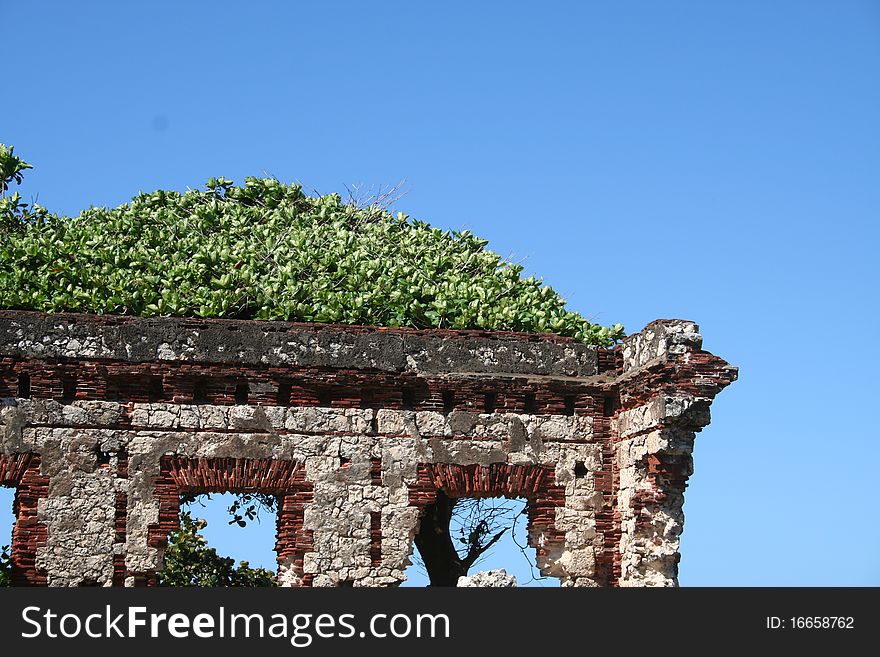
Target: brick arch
(536, 483)
(22, 472)
(285, 479)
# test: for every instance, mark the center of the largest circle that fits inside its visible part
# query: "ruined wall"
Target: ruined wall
(106, 421)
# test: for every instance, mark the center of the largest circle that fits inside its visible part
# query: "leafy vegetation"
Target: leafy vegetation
(266, 250)
(189, 561)
(5, 566)
(11, 167)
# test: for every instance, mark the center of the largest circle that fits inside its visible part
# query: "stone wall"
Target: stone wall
(106, 421)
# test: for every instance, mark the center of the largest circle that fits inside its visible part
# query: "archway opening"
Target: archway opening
(500, 525)
(225, 539)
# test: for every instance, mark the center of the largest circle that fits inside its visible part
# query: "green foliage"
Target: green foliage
(268, 251)
(5, 567)
(189, 561)
(246, 506)
(250, 505)
(11, 167)
(13, 212)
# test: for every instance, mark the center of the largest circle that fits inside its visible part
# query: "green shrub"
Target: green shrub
(266, 250)
(189, 561)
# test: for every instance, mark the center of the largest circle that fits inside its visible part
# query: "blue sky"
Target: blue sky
(709, 161)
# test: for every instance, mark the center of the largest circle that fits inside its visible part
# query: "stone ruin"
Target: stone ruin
(106, 421)
(488, 579)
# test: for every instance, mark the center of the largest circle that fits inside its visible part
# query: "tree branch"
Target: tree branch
(476, 550)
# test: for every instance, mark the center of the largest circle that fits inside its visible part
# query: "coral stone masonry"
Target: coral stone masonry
(105, 421)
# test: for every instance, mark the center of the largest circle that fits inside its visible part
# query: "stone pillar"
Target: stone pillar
(666, 386)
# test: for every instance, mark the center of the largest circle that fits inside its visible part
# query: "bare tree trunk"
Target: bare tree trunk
(437, 548)
(435, 545)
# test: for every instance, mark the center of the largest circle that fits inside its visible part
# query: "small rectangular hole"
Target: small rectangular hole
(448, 401)
(157, 389)
(580, 470)
(530, 403)
(200, 392)
(242, 391)
(366, 398)
(569, 404)
(24, 386)
(609, 405)
(102, 457)
(489, 401)
(68, 388)
(408, 399)
(284, 390)
(325, 398)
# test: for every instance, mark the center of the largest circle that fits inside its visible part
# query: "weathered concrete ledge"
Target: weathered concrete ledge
(241, 342)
